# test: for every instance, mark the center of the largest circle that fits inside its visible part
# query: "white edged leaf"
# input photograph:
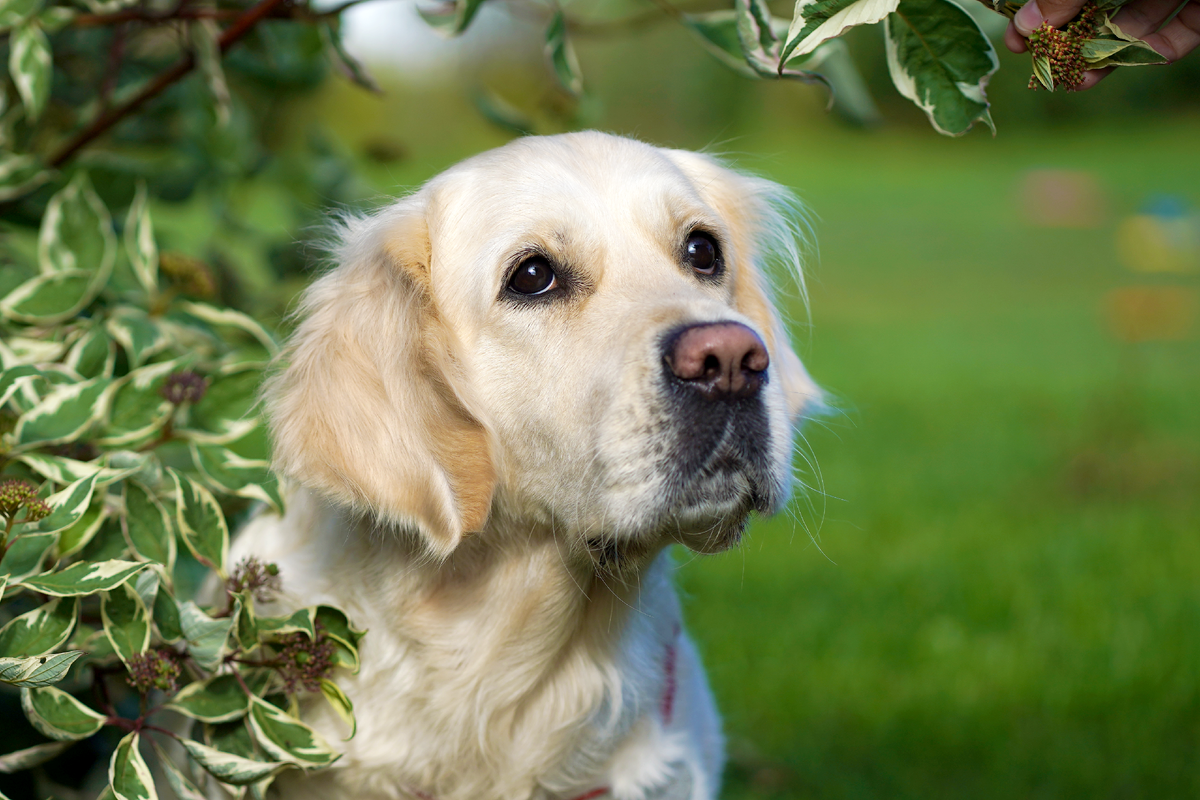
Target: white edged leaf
(229, 768)
(128, 775)
(218, 699)
(67, 506)
(31, 66)
(126, 621)
(817, 21)
(286, 738)
(92, 355)
(52, 298)
(207, 637)
(37, 671)
(139, 335)
(560, 55)
(227, 472)
(76, 537)
(14, 12)
(200, 523)
(20, 175)
(64, 414)
(26, 556)
(139, 241)
(31, 756)
(205, 35)
(58, 715)
(227, 317)
(40, 631)
(85, 577)
(341, 705)
(77, 231)
(147, 526)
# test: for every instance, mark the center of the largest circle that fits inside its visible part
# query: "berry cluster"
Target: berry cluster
(1063, 48)
(15, 495)
(251, 575)
(183, 387)
(155, 669)
(303, 662)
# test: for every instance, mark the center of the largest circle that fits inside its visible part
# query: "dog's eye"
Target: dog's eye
(533, 276)
(701, 254)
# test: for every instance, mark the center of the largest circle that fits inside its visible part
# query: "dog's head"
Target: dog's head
(573, 331)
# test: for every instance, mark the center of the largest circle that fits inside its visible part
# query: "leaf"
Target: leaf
(1043, 72)
(218, 699)
(61, 469)
(14, 12)
(93, 355)
(146, 587)
(166, 616)
(140, 336)
(560, 55)
(338, 628)
(1122, 51)
(36, 671)
(84, 578)
(50, 299)
(64, 414)
(40, 631)
(200, 523)
(31, 756)
(76, 537)
(229, 473)
(343, 61)
(128, 774)
(940, 59)
(126, 621)
(13, 378)
(341, 704)
(139, 241)
(20, 174)
(31, 67)
(138, 410)
(718, 32)
(25, 555)
(227, 317)
(207, 638)
(77, 231)
(286, 738)
(452, 17)
(59, 715)
(180, 784)
(816, 21)
(67, 506)
(206, 46)
(147, 526)
(229, 768)
(301, 620)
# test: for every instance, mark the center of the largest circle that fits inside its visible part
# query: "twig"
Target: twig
(240, 27)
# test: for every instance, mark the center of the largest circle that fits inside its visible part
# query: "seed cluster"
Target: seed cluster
(15, 495)
(155, 669)
(1063, 48)
(251, 575)
(303, 662)
(183, 387)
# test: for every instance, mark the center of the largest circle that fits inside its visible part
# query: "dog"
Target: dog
(510, 393)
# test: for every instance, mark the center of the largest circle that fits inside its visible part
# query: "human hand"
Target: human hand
(1140, 18)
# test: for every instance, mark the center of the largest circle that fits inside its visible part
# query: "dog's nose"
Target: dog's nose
(721, 360)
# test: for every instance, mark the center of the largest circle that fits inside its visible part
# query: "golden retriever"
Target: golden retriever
(513, 390)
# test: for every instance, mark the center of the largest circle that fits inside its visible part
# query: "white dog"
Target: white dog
(514, 389)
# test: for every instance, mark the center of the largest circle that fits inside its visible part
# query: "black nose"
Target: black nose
(720, 360)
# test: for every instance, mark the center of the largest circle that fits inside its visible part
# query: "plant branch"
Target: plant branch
(235, 32)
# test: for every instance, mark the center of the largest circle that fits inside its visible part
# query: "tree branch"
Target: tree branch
(236, 31)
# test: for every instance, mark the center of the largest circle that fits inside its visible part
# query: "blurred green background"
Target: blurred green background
(991, 588)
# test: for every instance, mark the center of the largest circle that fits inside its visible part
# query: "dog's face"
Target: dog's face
(571, 331)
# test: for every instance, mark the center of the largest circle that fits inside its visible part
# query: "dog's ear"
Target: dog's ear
(371, 407)
(764, 223)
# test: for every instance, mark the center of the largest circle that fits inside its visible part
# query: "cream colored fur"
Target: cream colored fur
(461, 461)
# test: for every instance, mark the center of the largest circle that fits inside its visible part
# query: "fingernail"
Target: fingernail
(1028, 17)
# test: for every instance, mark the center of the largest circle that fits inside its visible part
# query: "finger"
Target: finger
(1013, 40)
(1092, 77)
(1035, 12)
(1143, 17)
(1180, 36)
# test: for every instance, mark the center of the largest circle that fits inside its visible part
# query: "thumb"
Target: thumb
(1035, 12)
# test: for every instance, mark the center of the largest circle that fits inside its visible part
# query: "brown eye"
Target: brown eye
(701, 254)
(534, 276)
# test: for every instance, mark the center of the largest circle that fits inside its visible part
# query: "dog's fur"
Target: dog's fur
(488, 483)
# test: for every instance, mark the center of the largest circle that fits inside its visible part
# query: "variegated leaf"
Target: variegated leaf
(20, 175)
(138, 408)
(14, 12)
(31, 66)
(48, 299)
(180, 784)
(450, 17)
(84, 578)
(26, 555)
(67, 506)
(59, 715)
(139, 335)
(218, 699)
(64, 414)
(93, 355)
(128, 775)
(205, 35)
(139, 241)
(227, 472)
(816, 21)
(147, 526)
(13, 378)
(201, 523)
(207, 638)
(941, 60)
(40, 631)
(560, 55)
(37, 671)
(341, 705)
(31, 756)
(286, 738)
(76, 537)
(227, 317)
(228, 768)
(77, 231)
(126, 621)
(61, 469)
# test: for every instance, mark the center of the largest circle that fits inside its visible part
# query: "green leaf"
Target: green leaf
(140, 336)
(108, 544)
(200, 523)
(817, 21)
(139, 241)
(31, 67)
(286, 738)
(218, 699)
(298, 621)
(247, 624)
(207, 638)
(28, 673)
(228, 768)
(228, 318)
(166, 616)
(146, 586)
(77, 231)
(126, 621)
(25, 555)
(76, 537)
(206, 34)
(20, 174)
(560, 55)
(718, 32)
(128, 774)
(451, 17)
(12, 379)
(67, 506)
(40, 631)
(338, 628)
(138, 410)
(59, 715)
(49, 299)
(64, 414)
(341, 704)
(31, 756)
(1043, 72)
(343, 61)
(940, 59)
(84, 578)
(180, 784)
(93, 355)
(61, 469)
(14, 12)
(147, 526)
(227, 472)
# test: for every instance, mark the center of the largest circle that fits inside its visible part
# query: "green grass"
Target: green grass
(1005, 601)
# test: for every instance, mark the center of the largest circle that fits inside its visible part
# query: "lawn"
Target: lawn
(993, 587)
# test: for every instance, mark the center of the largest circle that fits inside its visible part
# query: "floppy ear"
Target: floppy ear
(763, 220)
(371, 406)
